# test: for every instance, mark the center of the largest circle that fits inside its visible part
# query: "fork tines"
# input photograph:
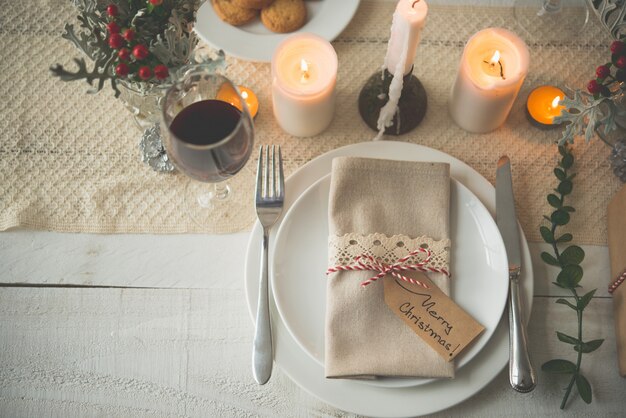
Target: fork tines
(270, 178)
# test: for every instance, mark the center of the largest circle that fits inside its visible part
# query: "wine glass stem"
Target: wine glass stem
(221, 191)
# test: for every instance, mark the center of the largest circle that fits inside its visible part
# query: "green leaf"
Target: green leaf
(589, 346)
(571, 176)
(546, 234)
(570, 276)
(562, 150)
(559, 217)
(559, 285)
(560, 174)
(566, 302)
(565, 187)
(547, 219)
(567, 161)
(567, 339)
(568, 209)
(585, 299)
(554, 201)
(572, 255)
(558, 366)
(584, 388)
(549, 259)
(564, 238)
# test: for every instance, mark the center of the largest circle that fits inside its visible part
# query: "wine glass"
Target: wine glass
(208, 134)
(552, 20)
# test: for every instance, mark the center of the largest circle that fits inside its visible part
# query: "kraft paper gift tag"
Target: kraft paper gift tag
(374, 203)
(617, 253)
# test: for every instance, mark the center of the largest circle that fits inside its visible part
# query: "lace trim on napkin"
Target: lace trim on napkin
(342, 250)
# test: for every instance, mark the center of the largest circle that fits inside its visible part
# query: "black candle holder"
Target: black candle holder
(411, 106)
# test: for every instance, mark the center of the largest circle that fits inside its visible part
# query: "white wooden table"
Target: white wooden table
(76, 340)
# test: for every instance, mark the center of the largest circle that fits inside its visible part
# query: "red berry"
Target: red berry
(116, 41)
(121, 69)
(594, 87)
(156, 2)
(112, 27)
(145, 73)
(112, 10)
(603, 71)
(621, 62)
(124, 54)
(161, 72)
(617, 47)
(140, 51)
(129, 34)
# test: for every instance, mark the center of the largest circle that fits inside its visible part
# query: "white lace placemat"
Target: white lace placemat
(69, 161)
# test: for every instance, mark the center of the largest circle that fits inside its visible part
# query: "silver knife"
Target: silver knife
(521, 373)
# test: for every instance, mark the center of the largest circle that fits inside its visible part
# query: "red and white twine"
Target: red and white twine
(366, 262)
(620, 279)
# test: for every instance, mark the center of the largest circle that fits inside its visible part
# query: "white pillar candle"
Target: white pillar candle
(492, 70)
(304, 74)
(408, 21)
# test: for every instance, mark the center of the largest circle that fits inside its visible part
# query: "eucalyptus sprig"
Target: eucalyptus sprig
(568, 278)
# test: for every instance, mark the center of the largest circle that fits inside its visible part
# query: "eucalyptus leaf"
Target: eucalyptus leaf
(570, 276)
(559, 366)
(589, 346)
(549, 259)
(554, 200)
(565, 187)
(564, 238)
(546, 234)
(584, 388)
(572, 255)
(566, 302)
(568, 209)
(585, 299)
(559, 217)
(567, 161)
(559, 173)
(567, 339)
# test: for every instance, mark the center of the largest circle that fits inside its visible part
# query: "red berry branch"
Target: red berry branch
(128, 65)
(132, 40)
(603, 84)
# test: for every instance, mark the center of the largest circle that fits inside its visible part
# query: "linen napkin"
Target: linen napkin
(383, 201)
(617, 254)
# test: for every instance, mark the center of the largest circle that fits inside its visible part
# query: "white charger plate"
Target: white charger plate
(478, 264)
(370, 400)
(254, 42)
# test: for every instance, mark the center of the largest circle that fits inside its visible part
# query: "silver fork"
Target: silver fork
(270, 196)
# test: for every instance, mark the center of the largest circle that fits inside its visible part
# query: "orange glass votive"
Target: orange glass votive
(246, 94)
(543, 104)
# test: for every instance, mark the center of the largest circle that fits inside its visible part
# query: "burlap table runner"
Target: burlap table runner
(70, 161)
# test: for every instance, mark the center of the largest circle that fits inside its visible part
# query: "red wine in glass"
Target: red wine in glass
(209, 147)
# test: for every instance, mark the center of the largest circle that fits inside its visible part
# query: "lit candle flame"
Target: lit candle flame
(304, 67)
(496, 57)
(556, 101)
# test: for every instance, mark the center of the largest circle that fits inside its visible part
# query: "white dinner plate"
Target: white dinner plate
(478, 264)
(370, 400)
(254, 42)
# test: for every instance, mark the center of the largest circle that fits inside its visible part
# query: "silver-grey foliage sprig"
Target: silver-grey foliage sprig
(91, 40)
(166, 31)
(583, 114)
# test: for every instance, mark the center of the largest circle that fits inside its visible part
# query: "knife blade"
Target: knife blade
(522, 375)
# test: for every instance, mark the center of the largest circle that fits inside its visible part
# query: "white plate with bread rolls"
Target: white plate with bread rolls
(251, 29)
